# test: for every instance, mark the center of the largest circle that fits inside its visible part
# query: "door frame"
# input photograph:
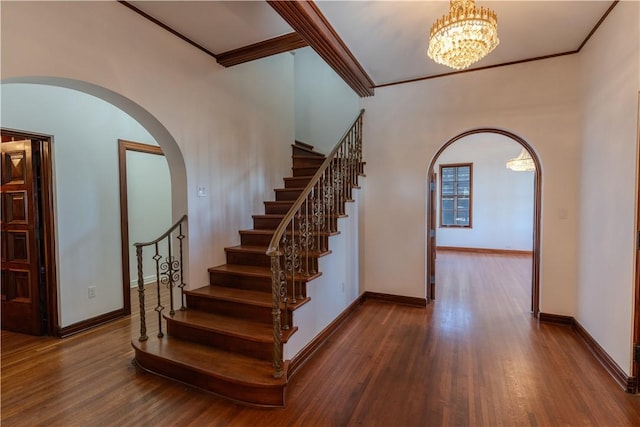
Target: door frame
(537, 211)
(635, 371)
(48, 223)
(123, 147)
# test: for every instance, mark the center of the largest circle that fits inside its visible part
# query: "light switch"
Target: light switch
(202, 192)
(562, 213)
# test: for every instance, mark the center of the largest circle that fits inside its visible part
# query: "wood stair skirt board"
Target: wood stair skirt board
(628, 383)
(223, 342)
(484, 250)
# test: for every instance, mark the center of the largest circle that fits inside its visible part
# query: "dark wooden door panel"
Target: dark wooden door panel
(18, 247)
(15, 207)
(20, 310)
(14, 166)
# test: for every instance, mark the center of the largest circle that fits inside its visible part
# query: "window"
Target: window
(455, 195)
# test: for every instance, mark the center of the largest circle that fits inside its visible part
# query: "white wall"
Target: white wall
(149, 208)
(405, 125)
(339, 285)
(228, 130)
(325, 106)
(85, 133)
(610, 83)
(502, 200)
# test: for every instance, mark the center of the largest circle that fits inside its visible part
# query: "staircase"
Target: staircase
(224, 341)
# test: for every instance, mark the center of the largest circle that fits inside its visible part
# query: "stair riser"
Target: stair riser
(259, 350)
(277, 208)
(296, 182)
(261, 223)
(287, 194)
(243, 392)
(266, 223)
(237, 309)
(280, 208)
(307, 162)
(304, 171)
(255, 239)
(248, 258)
(262, 284)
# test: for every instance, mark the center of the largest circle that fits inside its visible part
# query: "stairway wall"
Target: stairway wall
(325, 105)
(339, 284)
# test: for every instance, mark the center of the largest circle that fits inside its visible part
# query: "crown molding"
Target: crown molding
(274, 46)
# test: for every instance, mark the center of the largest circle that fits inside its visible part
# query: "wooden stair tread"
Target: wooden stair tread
(276, 216)
(252, 271)
(262, 250)
(234, 326)
(213, 362)
(308, 148)
(266, 231)
(238, 327)
(232, 294)
(244, 296)
(247, 248)
(292, 189)
(295, 178)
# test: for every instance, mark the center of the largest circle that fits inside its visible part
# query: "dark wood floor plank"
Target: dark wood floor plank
(475, 357)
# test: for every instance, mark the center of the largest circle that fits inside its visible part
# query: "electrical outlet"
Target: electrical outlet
(92, 291)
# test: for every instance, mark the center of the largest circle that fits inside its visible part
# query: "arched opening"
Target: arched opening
(92, 311)
(537, 198)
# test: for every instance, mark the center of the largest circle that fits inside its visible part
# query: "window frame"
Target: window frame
(456, 195)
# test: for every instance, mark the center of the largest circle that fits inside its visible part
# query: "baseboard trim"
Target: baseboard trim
(75, 328)
(627, 383)
(305, 354)
(556, 318)
(483, 250)
(396, 299)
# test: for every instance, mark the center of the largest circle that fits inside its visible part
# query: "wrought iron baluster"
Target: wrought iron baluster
(159, 308)
(182, 285)
(168, 273)
(143, 321)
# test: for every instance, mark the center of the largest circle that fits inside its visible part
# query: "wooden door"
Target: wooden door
(19, 266)
(432, 237)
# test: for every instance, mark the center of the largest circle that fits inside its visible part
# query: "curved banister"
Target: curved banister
(168, 232)
(169, 272)
(277, 235)
(302, 235)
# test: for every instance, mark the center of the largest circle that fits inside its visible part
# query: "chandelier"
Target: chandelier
(522, 163)
(464, 36)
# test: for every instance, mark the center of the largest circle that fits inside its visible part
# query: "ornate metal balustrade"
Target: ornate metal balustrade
(169, 272)
(304, 232)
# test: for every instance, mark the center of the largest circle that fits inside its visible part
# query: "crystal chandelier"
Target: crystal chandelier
(464, 36)
(522, 163)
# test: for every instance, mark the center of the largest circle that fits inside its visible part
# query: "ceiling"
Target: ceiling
(388, 38)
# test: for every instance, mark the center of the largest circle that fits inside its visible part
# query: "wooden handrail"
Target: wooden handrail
(304, 230)
(166, 233)
(275, 240)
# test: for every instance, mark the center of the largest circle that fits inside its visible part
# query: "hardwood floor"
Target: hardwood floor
(473, 358)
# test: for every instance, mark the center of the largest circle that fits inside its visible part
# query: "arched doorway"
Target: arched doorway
(74, 283)
(537, 199)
